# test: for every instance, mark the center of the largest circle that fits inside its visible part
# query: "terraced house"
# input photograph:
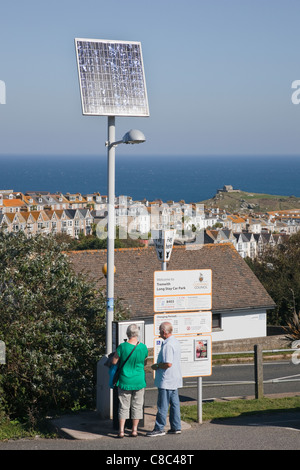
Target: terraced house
(70, 221)
(73, 214)
(10, 203)
(44, 200)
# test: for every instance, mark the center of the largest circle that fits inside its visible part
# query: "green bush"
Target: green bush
(278, 269)
(53, 324)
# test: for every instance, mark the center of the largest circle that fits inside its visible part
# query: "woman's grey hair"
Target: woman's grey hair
(132, 330)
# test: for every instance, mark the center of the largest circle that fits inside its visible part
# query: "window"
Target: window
(216, 321)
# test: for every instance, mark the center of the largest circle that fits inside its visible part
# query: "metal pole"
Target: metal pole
(164, 263)
(258, 371)
(110, 233)
(199, 400)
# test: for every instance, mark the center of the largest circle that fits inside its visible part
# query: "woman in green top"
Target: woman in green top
(132, 381)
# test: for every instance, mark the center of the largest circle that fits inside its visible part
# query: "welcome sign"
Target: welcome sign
(182, 290)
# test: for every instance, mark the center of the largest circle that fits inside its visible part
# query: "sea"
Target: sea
(169, 178)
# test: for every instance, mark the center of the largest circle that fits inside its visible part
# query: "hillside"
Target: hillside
(242, 201)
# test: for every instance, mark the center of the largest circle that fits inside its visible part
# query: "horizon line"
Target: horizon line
(70, 155)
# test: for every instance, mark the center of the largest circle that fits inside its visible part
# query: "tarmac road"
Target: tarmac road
(236, 380)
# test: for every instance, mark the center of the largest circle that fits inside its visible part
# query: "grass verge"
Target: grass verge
(234, 408)
(218, 359)
(21, 429)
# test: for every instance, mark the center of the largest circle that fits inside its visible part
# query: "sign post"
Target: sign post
(184, 298)
(199, 400)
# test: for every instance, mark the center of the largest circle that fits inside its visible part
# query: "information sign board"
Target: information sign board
(196, 354)
(182, 290)
(185, 323)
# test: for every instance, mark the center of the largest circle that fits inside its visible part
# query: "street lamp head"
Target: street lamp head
(131, 137)
(134, 136)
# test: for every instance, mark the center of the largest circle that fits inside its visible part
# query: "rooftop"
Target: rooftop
(234, 284)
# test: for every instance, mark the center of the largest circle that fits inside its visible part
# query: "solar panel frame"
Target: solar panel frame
(111, 78)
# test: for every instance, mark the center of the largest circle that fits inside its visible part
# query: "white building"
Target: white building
(239, 301)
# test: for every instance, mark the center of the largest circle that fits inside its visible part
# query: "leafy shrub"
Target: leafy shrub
(278, 269)
(53, 324)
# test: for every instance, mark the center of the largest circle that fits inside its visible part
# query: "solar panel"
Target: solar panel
(111, 78)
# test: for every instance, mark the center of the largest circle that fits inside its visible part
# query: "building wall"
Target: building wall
(242, 324)
(237, 293)
(235, 325)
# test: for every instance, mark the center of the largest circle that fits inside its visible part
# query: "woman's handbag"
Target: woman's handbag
(115, 370)
(112, 374)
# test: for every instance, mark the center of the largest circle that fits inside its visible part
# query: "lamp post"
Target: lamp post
(112, 83)
(133, 136)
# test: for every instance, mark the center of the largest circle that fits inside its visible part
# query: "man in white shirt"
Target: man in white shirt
(168, 379)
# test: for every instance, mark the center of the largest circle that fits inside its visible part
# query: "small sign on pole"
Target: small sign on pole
(163, 241)
(185, 299)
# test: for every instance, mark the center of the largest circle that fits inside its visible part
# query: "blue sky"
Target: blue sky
(218, 75)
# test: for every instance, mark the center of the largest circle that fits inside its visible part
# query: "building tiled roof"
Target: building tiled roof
(40, 215)
(234, 284)
(29, 216)
(236, 219)
(13, 203)
(11, 217)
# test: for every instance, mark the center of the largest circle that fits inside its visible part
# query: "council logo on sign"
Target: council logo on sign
(201, 282)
